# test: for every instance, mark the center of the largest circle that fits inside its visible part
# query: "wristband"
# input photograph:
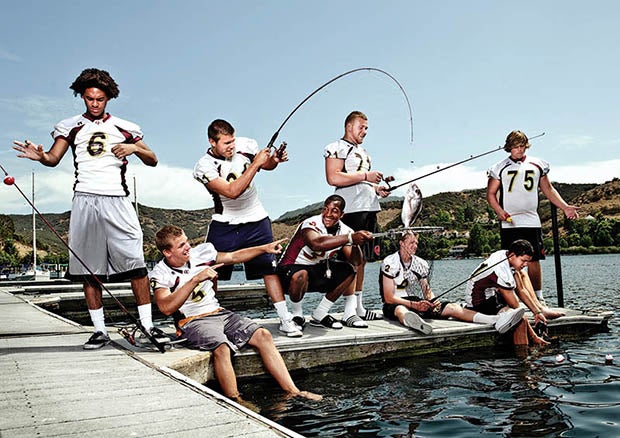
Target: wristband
(350, 238)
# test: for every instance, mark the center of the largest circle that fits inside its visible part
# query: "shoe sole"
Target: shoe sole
(514, 320)
(413, 321)
(95, 346)
(291, 334)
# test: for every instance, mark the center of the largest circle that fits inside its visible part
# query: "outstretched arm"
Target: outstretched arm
(34, 152)
(139, 149)
(246, 254)
(556, 199)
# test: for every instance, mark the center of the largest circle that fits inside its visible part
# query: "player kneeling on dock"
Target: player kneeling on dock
(313, 261)
(399, 274)
(183, 285)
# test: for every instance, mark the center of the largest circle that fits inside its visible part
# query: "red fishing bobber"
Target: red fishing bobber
(9, 180)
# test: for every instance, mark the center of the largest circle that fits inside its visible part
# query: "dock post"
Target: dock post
(556, 255)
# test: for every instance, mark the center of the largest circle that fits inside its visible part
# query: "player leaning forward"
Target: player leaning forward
(240, 221)
(104, 230)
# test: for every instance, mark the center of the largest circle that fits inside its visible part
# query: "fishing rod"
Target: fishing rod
(474, 274)
(396, 231)
(275, 135)
(390, 188)
(10, 181)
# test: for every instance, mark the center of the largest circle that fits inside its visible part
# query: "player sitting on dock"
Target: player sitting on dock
(399, 273)
(313, 261)
(499, 280)
(183, 285)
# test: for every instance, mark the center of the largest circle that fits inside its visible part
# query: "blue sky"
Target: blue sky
(473, 71)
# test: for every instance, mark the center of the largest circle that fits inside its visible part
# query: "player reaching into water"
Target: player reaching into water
(512, 192)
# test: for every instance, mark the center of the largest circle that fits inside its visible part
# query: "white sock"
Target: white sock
(539, 294)
(350, 304)
(360, 307)
(481, 318)
(297, 308)
(98, 320)
(282, 310)
(146, 316)
(322, 309)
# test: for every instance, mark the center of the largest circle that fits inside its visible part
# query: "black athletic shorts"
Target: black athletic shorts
(363, 220)
(317, 278)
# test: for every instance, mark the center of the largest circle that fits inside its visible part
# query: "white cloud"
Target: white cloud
(41, 112)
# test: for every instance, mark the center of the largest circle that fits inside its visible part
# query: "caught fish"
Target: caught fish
(412, 204)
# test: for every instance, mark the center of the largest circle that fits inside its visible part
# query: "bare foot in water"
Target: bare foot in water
(537, 340)
(307, 394)
(552, 314)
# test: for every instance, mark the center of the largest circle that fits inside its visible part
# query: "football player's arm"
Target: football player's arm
(34, 152)
(139, 149)
(556, 199)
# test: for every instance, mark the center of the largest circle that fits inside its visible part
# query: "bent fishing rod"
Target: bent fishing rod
(390, 188)
(473, 275)
(275, 135)
(10, 181)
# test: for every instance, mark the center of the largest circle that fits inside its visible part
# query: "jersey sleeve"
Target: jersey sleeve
(63, 128)
(130, 130)
(246, 145)
(390, 266)
(337, 149)
(203, 254)
(206, 170)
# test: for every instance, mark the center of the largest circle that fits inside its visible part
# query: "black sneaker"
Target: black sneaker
(157, 334)
(300, 321)
(97, 340)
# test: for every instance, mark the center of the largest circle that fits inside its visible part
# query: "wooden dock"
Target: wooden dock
(52, 387)
(383, 339)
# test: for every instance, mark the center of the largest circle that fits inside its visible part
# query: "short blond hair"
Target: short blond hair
(515, 139)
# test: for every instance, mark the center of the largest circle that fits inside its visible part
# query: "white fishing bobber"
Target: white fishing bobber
(559, 358)
(609, 359)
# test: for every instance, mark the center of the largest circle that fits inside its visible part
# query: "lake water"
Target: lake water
(484, 392)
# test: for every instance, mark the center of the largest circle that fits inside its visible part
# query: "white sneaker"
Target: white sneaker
(290, 329)
(509, 319)
(413, 320)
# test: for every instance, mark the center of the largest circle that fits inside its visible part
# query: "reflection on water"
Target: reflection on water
(485, 392)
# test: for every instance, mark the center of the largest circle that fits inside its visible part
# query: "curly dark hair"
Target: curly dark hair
(95, 78)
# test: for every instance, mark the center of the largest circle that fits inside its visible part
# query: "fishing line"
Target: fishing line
(275, 135)
(476, 273)
(390, 188)
(10, 181)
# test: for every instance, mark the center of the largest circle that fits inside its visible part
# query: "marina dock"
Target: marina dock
(52, 387)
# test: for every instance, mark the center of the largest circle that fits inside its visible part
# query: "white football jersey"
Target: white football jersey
(406, 277)
(97, 170)
(297, 252)
(486, 280)
(247, 207)
(202, 300)
(360, 196)
(518, 193)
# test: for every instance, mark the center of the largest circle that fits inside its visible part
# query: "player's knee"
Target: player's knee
(262, 336)
(222, 351)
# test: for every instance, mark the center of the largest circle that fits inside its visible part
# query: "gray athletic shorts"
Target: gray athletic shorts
(105, 233)
(211, 331)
